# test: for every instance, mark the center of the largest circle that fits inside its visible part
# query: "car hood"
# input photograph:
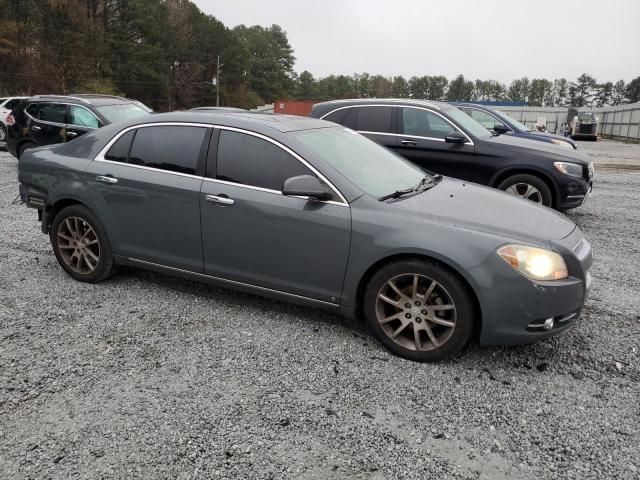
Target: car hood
(475, 207)
(511, 143)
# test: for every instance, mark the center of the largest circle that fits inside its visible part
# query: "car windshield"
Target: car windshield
(585, 115)
(467, 123)
(512, 121)
(371, 167)
(121, 112)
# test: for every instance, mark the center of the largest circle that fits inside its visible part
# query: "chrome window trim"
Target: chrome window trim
(100, 158)
(403, 136)
(57, 124)
(392, 100)
(490, 114)
(469, 141)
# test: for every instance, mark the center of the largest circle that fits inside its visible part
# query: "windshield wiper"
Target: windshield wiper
(428, 181)
(397, 194)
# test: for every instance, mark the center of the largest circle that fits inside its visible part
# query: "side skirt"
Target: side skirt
(235, 285)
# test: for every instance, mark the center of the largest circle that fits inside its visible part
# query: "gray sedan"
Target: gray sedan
(306, 211)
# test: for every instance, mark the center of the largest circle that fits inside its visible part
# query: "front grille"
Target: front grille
(586, 129)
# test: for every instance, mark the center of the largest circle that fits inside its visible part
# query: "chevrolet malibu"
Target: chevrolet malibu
(311, 212)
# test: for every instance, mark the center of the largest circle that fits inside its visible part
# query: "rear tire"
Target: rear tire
(3, 134)
(81, 245)
(419, 310)
(529, 187)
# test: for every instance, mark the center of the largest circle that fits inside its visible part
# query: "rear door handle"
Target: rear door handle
(72, 134)
(36, 128)
(219, 199)
(409, 142)
(106, 179)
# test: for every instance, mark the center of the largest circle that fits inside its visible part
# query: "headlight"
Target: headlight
(561, 143)
(535, 263)
(568, 168)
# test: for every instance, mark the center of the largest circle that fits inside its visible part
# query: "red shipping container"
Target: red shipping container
(294, 107)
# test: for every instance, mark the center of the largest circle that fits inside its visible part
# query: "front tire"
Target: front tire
(529, 187)
(3, 133)
(81, 245)
(419, 310)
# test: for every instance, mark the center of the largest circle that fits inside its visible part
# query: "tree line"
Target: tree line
(538, 92)
(162, 52)
(165, 53)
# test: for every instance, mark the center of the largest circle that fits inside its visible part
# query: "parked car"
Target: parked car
(501, 123)
(310, 212)
(47, 119)
(440, 138)
(6, 105)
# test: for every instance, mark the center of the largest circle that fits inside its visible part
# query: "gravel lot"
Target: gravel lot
(147, 375)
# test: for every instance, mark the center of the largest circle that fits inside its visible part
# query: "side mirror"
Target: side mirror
(305, 186)
(501, 128)
(455, 137)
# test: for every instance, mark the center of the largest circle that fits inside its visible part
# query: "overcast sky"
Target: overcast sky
(486, 39)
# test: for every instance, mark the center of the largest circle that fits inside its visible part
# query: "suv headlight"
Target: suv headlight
(568, 168)
(535, 263)
(561, 143)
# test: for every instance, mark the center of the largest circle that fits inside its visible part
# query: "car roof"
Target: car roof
(83, 98)
(479, 106)
(387, 101)
(279, 122)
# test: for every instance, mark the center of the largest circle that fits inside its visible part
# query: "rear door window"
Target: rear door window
(250, 160)
(423, 123)
(375, 119)
(119, 151)
(171, 148)
(53, 112)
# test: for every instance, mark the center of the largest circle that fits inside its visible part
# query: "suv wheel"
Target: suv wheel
(529, 187)
(80, 244)
(3, 133)
(419, 310)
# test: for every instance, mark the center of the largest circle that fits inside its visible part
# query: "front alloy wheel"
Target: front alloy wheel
(416, 312)
(528, 187)
(419, 309)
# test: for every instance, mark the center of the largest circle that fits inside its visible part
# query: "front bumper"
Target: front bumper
(516, 310)
(573, 191)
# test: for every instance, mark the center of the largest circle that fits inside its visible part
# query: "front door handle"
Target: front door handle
(106, 179)
(72, 134)
(409, 142)
(36, 128)
(219, 199)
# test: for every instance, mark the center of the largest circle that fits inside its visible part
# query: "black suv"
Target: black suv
(47, 119)
(439, 137)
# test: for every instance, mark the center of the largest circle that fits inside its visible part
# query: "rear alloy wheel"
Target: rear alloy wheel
(80, 244)
(529, 187)
(3, 133)
(419, 310)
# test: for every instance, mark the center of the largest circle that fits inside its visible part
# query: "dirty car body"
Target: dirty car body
(209, 224)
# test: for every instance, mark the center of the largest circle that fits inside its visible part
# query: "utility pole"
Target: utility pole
(218, 81)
